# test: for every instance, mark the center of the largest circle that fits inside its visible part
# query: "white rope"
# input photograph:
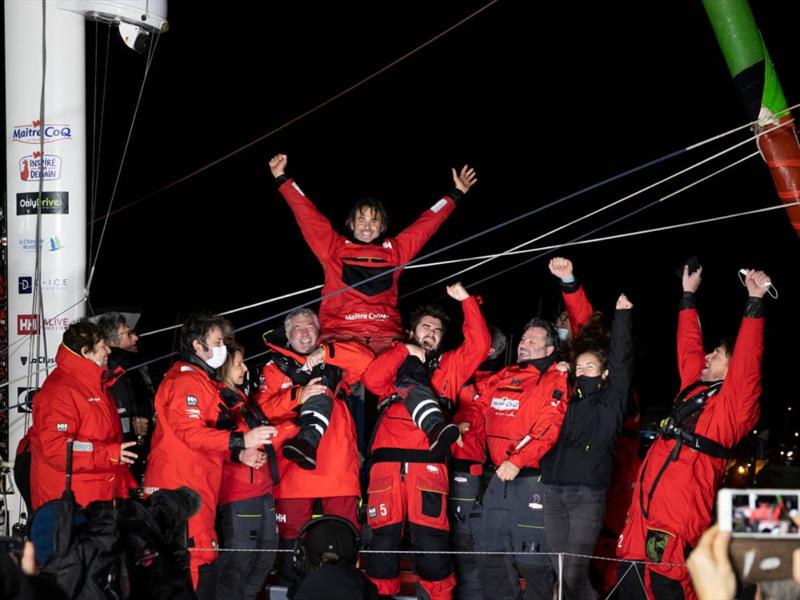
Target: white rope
(456, 553)
(510, 252)
(602, 209)
(241, 308)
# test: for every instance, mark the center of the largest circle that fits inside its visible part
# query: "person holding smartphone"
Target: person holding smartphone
(718, 404)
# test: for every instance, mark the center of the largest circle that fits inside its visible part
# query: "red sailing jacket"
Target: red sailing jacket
(240, 482)
(395, 428)
(371, 310)
(73, 404)
(524, 413)
(187, 448)
(337, 466)
(472, 410)
(683, 501)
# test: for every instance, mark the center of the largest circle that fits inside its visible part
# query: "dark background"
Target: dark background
(542, 98)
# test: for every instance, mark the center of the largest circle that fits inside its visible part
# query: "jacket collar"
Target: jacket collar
(77, 366)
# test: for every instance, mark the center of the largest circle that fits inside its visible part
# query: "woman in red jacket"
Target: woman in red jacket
(73, 404)
(246, 511)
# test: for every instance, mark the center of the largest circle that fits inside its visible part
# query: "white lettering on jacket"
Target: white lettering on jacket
(364, 316)
(439, 205)
(505, 404)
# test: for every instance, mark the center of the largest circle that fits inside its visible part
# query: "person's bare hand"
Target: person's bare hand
(28, 562)
(252, 457)
(277, 165)
(507, 471)
(757, 283)
(258, 436)
(623, 303)
(414, 350)
(457, 292)
(127, 457)
(312, 388)
(465, 179)
(712, 574)
(691, 282)
(560, 267)
(317, 357)
(563, 366)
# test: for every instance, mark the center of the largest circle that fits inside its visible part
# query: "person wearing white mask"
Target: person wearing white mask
(188, 449)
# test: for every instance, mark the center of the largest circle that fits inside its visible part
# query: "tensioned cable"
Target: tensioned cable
(9, 347)
(150, 55)
(97, 135)
(287, 311)
(565, 244)
(619, 219)
(414, 262)
(601, 209)
(305, 114)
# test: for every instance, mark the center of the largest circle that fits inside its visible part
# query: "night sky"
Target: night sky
(542, 98)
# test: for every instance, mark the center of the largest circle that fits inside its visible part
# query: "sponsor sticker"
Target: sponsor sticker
(191, 400)
(25, 399)
(61, 426)
(27, 324)
(52, 203)
(25, 285)
(31, 134)
(372, 513)
(35, 167)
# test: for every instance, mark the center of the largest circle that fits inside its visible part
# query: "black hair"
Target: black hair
(374, 205)
(82, 334)
(429, 310)
(197, 327)
(552, 334)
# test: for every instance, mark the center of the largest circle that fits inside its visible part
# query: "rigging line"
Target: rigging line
(617, 236)
(241, 308)
(94, 141)
(148, 63)
(411, 264)
(98, 135)
(601, 209)
(621, 218)
(308, 112)
(572, 242)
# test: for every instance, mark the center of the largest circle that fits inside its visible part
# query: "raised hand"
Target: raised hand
(560, 267)
(277, 164)
(457, 292)
(623, 303)
(757, 283)
(691, 282)
(465, 179)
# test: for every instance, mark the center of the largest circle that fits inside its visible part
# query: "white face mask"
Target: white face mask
(220, 353)
(563, 334)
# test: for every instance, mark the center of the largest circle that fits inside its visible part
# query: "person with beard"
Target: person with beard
(718, 404)
(188, 449)
(466, 468)
(133, 391)
(577, 471)
(73, 405)
(525, 405)
(367, 312)
(301, 392)
(408, 477)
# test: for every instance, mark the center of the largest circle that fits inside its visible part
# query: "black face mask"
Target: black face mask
(586, 385)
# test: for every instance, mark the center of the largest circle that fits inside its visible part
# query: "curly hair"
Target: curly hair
(594, 337)
(429, 310)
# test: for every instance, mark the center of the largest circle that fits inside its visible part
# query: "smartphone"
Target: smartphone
(764, 527)
(759, 513)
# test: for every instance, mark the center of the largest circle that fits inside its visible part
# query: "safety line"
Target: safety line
(148, 63)
(599, 210)
(455, 553)
(308, 112)
(618, 219)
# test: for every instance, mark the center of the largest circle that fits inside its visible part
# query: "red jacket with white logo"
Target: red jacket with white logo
(683, 500)
(371, 309)
(524, 413)
(73, 404)
(395, 428)
(187, 448)
(240, 482)
(337, 465)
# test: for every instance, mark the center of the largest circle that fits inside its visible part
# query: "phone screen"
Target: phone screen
(764, 512)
